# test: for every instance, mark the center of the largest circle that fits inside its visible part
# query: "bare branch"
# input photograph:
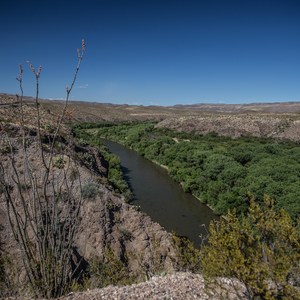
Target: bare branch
(43, 208)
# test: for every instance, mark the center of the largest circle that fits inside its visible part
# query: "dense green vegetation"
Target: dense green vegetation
(258, 241)
(261, 249)
(220, 171)
(115, 176)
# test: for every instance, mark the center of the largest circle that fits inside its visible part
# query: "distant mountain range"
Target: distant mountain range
(270, 107)
(260, 107)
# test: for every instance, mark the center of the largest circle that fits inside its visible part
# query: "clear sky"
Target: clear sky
(155, 52)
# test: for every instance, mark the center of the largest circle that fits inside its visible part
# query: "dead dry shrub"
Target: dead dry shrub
(43, 207)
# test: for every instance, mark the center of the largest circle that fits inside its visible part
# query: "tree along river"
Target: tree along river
(160, 197)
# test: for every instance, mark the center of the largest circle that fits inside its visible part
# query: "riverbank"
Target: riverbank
(157, 163)
(160, 197)
(167, 169)
(198, 198)
(221, 170)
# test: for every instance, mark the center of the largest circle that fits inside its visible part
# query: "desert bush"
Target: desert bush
(6, 148)
(261, 249)
(58, 162)
(74, 174)
(188, 256)
(49, 128)
(115, 176)
(82, 142)
(43, 206)
(110, 270)
(88, 158)
(89, 190)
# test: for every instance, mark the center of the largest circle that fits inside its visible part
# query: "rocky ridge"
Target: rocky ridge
(283, 127)
(178, 286)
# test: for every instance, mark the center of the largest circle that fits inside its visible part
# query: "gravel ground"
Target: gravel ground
(183, 286)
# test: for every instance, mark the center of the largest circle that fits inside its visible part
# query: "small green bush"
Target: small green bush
(48, 127)
(90, 190)
(74, 174)
(110, 270)
(6, 149)
(58, 162)
(89, 158)
(82, 142)
(188, 255)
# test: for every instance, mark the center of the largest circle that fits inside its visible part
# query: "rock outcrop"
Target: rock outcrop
(237, 125)
(109, 230)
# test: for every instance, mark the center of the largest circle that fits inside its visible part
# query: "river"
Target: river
(160, 197)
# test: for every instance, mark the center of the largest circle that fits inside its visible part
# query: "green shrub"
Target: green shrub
(58, 162)
(49, 128)
(74, 174)
(260, 249)
(82, 142)
(188, 255)
(110, 270)
(89, 158)
(90, 190)
(6, 148)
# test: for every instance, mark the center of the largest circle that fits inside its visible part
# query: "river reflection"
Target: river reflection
(160, 197)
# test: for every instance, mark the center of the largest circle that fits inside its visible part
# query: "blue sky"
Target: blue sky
(155, 52)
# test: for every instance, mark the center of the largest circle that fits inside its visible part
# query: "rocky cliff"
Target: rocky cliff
(120, 243)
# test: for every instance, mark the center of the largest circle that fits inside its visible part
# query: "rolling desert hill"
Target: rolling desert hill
(271, 120)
